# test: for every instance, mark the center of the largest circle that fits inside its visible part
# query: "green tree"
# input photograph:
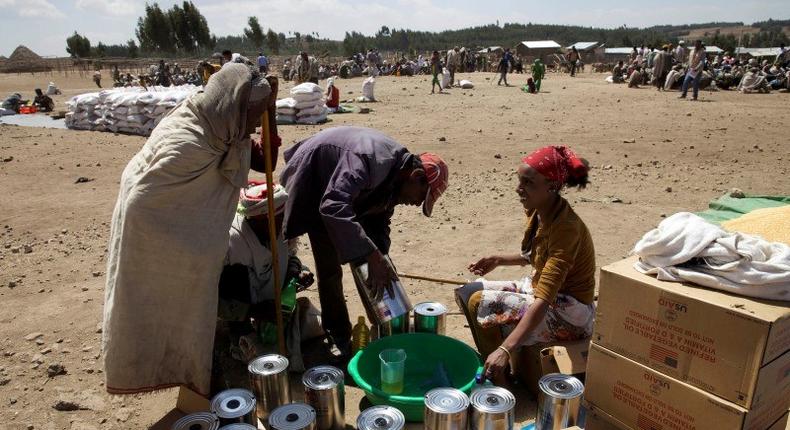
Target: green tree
(254, 32)
(131, 49)
(78, 46)
(182, 32)
(198, 25)
(154, 30)
(273, 41)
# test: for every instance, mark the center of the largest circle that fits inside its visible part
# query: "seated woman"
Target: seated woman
(554, 302)
(332, 95)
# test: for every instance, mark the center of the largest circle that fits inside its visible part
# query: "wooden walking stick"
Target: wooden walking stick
(266, 128)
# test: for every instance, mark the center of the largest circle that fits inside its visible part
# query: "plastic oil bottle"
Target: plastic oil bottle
(360, 335)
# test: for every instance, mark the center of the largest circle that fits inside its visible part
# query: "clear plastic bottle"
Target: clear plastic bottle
(360, 335)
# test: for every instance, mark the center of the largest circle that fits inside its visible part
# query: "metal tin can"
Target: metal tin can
(381, 418)
(269, 381)
(197, 421)
(390, 306)
(397, 325)
(324, 390)
(446, 409)
(234, 406)
(429, 317)
(559, 399)
(493, 408)
(239, 426)
(294, 416)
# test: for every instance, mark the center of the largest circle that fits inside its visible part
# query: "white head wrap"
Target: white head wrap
(253, 200)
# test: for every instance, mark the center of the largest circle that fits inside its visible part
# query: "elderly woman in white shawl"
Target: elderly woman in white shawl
(753, 80)
(169, 236)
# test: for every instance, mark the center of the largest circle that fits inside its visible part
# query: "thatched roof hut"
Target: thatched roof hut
(24, 60)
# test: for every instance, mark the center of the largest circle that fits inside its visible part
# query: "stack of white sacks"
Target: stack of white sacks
(305, 106)
(133, 110)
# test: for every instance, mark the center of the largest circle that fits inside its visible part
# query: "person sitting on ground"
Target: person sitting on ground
(754, 81)
(529, 87)
(555, 301)
(617, 72)
(11, 104)
(673, 77)
(246, 285)
(43, 102)
(332, 95)
(637, 78)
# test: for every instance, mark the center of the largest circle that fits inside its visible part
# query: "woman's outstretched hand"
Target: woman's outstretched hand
(484, 265)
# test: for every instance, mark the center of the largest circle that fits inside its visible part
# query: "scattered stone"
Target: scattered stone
(11, 284)
(33, 336)
(442, 139)
(629, 141)
(82, 180)
(663, 215)
(737, 193)
(4, 381)
(27, 249)
(8, 159)
(607, 167)
(688, 113)
(498, 156)
(56, 369)
(96, 274)
(66, 406)
(99, 328)
(668, 189)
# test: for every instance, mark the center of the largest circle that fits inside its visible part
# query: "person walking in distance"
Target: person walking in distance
(694, 73)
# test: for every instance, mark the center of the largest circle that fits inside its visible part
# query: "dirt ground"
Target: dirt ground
(653, 155)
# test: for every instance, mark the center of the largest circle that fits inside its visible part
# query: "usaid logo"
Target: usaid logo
(672, 308)
(656, 383)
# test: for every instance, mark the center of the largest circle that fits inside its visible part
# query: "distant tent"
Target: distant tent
(491, 49)
(538, 49)
(713, 49)
(757, 52)
(24, 60)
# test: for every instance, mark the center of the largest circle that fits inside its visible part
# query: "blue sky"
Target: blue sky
(43, 25)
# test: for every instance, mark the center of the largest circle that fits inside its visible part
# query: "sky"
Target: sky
(44, 25)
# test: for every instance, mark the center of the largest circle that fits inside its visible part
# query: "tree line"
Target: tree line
(183, 31)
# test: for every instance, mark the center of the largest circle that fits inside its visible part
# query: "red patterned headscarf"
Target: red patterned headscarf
(556, 163)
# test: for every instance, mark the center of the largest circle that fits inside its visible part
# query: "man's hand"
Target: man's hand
(484, 265)
(380, 275)
(306, 278)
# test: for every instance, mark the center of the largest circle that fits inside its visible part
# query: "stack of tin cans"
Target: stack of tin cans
(234, 406)
(558, 402)
(381, 418)
(488, 408)
(294, 416)
(324, 390)
(197, 421)
(269, 381)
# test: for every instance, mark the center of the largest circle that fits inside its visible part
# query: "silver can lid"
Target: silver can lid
(238, 426)
(293, 416)
(430, 309)
(270, 364)
(381, 418)
(561, 386)
(233, 403)
(493, 400)
(197, 421)
(446, 400)
(323, 378)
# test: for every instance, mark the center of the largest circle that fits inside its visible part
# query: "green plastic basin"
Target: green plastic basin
(424, 353)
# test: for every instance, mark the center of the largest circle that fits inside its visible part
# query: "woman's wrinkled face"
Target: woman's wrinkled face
(254, 113)
(534, 190)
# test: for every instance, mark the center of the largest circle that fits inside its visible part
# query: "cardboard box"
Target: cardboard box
(597, 419)
(568, 358)
(718, 342)
(188, 402)
(643, 398)
(782, 424)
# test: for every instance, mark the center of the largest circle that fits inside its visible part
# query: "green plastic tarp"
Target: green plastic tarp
(726, 208)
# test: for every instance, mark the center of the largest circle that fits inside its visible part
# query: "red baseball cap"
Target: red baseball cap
(437, 172)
